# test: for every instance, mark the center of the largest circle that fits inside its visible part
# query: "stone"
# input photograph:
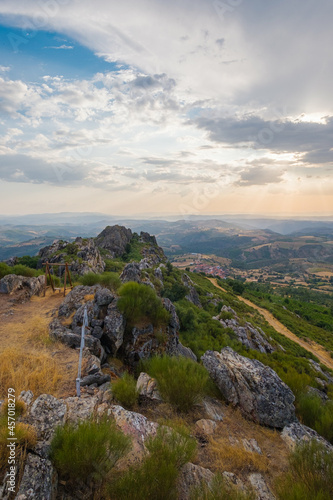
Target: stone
(79, 409)
(114, 239)
(31, 286)
(186, 352)
(252, 446)
(135, 425)
(147, 387)
(59, 332)
(192, 476)
(82, 255)
(39, 481)
(213, 408)
(131, 272)
(296, 433)
(45, 414)
(114, 328)
(206, 426)
(255, 388)
(26, 397)
(192, 295)
(103, 297)
(75, 298)
(316, 392)
(233, 481)
(261, 490)
(96, 378)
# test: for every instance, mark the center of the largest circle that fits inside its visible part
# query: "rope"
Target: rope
(83, 329)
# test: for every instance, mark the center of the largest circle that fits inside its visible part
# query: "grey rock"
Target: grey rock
(147, 387)
(39, 481)
(26, 397)
(317, 392)
(59, 332)
(206, 426)
(31, 286)
(114, 239)
(252, 446)
(131, 272)
(233, 481)
(114, 328)
(75, 298)
(96, 378)
(213, 408)
(158, 274)
(46, 413)
(255, 388)
(192, 476)
(192, 295)
(186, 352)
(79, 409)
(296, 433)
(103, 297)
(261, 490)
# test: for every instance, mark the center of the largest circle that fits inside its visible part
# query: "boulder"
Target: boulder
(255, 388)
(31, 286)
(114, 328)
(213, 408)
(75, 299)
(96, 378)
(261, 490)
(186, 352)
(131, 272)
(296, 433)
(114, 239)
(147, 387)
(82, 255)
(39, 481)
(59, 332)
(233, 481)
(79, 409)
(45, 414)
(192, 295)
(191, 477)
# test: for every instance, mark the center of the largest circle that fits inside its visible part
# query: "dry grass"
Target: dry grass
(236, 458)
(38, 331)
(24, 371)
(26, 438)
(89, 297)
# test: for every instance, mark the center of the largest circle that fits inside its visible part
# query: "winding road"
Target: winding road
(316, 349)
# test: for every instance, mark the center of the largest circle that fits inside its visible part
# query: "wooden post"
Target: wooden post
(51, 279)
(69, 275)
(45, 284)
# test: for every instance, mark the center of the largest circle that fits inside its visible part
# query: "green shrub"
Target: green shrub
(113, 265)
(310, 474)
(21, 270)
(314, 413)
(4, 270)
(110, 280)
(176, 292)
(139, 302)
(90, 279)
(219, 489)
(124, 390)
(87, 451)
(156, 477)
(181, 381)
(29, 261)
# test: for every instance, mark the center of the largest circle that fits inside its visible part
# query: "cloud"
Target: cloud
(61, 47)
(4, 69)
(259, 176)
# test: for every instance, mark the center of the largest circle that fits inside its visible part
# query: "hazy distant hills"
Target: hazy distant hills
(247, 242)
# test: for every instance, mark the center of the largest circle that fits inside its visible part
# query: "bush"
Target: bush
(28, 261)
(219, 489)
(113, 265)
(139, 302)
(316, 414)
(4, 270)
(124, 389)
(310, 474)
(90, 279)
(175, 292)
(21, 270)
(87, 451)
(110, 280)
(156, 477)
(181, 381)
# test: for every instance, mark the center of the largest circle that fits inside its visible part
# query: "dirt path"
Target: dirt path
(25, 346)
(310, 346)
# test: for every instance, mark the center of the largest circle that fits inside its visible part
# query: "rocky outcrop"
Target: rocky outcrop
(146, 387)
(131, 272)
(255, 388)
(191, 477)
(12, 283)
(249, 336)
(296, 433)
(75, 299)
(114, 239)
(82, 255)
(39, 481)
(114, 328)
(192, 295)
(260, 488)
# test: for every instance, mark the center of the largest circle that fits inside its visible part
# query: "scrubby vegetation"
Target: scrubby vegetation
(156, 477)
(124, 390)
(87, 452)
(140, 303)
(310, 474)
(181, 381)
(219, 489)
(108, 279)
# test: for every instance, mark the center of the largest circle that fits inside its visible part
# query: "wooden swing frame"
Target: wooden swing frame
(48, 265)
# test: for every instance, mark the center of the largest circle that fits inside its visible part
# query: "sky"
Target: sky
(154, 107)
